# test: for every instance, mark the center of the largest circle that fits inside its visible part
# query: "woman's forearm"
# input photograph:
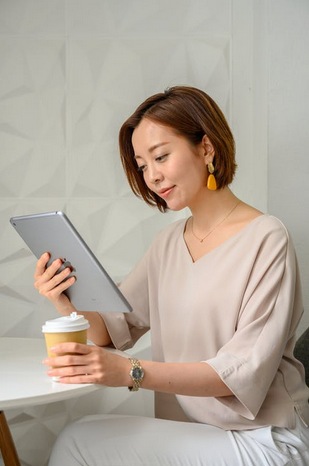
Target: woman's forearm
(192, 379)
(97, 332)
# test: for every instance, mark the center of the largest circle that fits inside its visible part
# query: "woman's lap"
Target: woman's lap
(115, 440)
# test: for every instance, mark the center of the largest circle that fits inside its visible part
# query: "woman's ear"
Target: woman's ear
(209, 150)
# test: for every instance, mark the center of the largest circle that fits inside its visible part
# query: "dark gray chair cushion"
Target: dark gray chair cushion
(301, 352)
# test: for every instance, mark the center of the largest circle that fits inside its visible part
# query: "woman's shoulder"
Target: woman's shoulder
(268, 231)
(271, 223)
(264, 223)
(174, 228)
(170, 233)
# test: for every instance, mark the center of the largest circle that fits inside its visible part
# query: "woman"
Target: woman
(221, 294)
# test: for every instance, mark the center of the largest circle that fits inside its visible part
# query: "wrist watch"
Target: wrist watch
(137, 374)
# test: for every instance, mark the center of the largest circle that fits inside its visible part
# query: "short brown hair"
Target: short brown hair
(191, 113)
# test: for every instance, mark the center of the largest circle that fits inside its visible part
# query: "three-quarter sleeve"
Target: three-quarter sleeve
(249, 361)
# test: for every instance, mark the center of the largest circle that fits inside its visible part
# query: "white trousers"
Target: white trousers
(115, 440)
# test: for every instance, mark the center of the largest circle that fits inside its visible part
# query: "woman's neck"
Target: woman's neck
(212, 209)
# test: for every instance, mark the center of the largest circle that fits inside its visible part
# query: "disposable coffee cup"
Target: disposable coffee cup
(68, 328)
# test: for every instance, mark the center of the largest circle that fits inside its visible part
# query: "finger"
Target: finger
(53, 269)
(56, 285)
(64, 285)
(41, 265)
(70, 373)
(65, 361)
(43, 273)
(72, 347)
(54, 280)
(76, 379)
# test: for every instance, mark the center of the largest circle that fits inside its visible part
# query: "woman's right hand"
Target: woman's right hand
(51, 284)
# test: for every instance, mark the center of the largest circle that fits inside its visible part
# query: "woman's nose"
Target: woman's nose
(154, 174)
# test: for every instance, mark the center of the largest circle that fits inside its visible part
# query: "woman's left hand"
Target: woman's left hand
(88, 364)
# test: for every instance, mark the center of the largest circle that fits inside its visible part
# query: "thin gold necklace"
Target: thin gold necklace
(204, 237)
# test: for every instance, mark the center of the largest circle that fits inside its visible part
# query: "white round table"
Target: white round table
(23, 376)
(24, 382)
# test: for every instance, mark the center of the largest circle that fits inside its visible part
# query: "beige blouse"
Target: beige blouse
(236, 308)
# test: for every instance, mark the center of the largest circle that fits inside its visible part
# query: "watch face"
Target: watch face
(137, 373)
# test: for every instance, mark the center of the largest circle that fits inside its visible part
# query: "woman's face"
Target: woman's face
(172, 168)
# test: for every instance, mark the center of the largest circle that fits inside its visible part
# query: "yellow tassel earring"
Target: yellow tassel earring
(211, 180)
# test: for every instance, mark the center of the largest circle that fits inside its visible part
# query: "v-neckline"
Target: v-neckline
(238, 233)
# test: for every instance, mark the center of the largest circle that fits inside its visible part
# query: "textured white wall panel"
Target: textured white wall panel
(288, 127)
(144, 17)
(32, 93)
(25, 17)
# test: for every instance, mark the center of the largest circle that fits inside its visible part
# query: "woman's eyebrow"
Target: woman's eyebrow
(152, 148)
(155, 146)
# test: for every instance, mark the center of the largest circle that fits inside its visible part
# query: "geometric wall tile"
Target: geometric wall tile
(32, 17)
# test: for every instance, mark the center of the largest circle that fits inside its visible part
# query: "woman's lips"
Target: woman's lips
(166, 192)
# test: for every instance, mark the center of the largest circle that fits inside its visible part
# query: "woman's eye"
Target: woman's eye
(161, 158)
(141, 168)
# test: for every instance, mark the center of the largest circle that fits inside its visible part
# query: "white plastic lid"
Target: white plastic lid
(72, 323)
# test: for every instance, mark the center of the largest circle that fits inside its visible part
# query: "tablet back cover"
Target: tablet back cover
(53, 232)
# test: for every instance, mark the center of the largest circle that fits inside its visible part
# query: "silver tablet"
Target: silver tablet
(52, 232)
